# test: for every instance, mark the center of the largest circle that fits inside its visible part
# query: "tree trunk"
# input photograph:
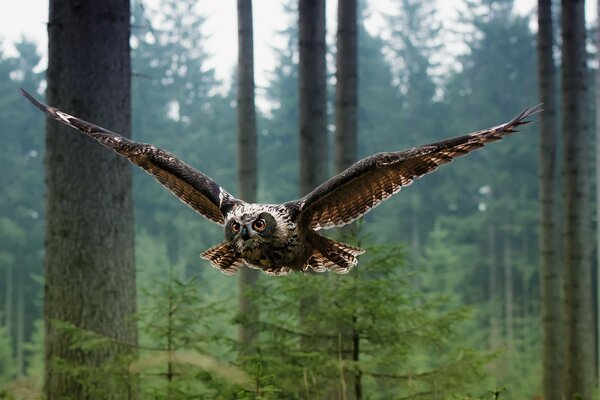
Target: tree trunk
(89, 258)
(246, 128)
(598, 198)
(20, 321)
(509, 316)
(313, 119)
(494, 299)
(313, 95)
(346, 97)
(579, 339)
(345, 152)
(8, 300)
(552, 345)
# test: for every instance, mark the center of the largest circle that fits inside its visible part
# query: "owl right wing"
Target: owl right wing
(191, 186)
(364, 185)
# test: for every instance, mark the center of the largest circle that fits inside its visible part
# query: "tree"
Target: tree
(247, 170)
(177, 105)
(346, 96)
(21, 202)
(313, 95)
(90, 272)
(578, 311)
(279, 133)
(401, 344)
(345, 146)
(548, 239)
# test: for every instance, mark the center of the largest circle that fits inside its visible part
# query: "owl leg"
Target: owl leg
(223, 257)
(331, 255)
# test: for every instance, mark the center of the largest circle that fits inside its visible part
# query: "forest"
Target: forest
(479, 281)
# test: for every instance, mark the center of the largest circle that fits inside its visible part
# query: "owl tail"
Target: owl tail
(223, 257)
(331, 255)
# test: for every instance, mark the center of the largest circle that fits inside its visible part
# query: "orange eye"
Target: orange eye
(259, 225)
(235, 227)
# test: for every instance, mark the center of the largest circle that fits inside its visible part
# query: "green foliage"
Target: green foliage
(35, 351)
(177, 331)
(7, 362)
(21, 198)
(371, 323)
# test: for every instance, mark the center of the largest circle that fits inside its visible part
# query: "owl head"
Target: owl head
(250, 230)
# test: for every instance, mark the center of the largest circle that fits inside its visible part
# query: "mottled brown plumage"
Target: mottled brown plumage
(279, 238)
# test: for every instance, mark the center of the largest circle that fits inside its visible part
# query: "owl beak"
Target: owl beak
(245, 234)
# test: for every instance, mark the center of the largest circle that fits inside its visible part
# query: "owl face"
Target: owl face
(249, 231)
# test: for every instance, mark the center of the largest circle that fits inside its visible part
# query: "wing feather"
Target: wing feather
(194, 188)
(364, 185)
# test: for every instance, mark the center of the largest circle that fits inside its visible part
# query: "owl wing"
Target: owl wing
(191, 186)
(355, 191)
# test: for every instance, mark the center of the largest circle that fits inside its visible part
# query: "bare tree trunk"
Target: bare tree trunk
(598, 197)
(346, 96)
(313, 95)
(89, 259)
(345, 153)
(509, 314)
(550, 285)
(8, 300)
(246, 128)
(494, 339)
(20, 323)
(313, 118)
(579, 330)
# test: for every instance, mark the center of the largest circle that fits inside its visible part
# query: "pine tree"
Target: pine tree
(247, 169)
(579, 380)
(90, 272)
(552, 345)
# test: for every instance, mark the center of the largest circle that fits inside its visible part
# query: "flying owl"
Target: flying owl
(279, 238)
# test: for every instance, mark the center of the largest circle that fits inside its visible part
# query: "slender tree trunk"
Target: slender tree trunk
(345, 153)
(495, 313)
(313, 119)
(346, 96)
(598, 199)
(579, 330)
(246, 128)
(8, 300)
(313, 95)
(20, 323)
(509, 315)
(550, 285)
(89, 259)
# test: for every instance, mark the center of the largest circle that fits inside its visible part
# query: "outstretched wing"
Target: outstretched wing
(193, 187)
(352, 193)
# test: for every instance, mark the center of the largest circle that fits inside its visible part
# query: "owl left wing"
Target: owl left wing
(364, 185)
(194, 188)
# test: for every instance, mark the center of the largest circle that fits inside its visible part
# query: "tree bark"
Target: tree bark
(579, 331)
(552, 346)
(598, 199)
(246, 128)
(313, 118)
(509, 317)
(89, 258)
(346, 96)
(345, 153)
(20, 322)
(313, 95)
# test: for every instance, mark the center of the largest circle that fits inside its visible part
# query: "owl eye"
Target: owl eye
(259, 225)
(235, 227)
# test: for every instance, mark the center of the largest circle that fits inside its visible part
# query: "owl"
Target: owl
(279, 238)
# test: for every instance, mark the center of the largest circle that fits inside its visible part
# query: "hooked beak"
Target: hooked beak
(245, 234)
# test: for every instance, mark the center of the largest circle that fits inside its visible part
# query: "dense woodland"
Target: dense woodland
(449, 299)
